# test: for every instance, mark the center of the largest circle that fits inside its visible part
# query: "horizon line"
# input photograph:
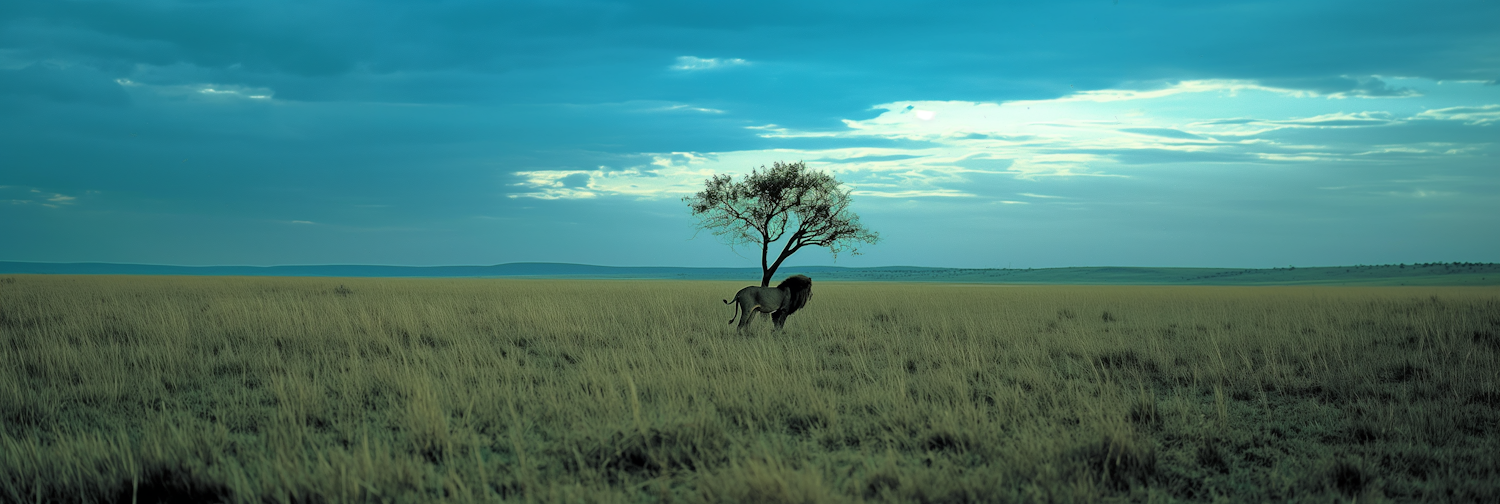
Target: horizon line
(715, 267)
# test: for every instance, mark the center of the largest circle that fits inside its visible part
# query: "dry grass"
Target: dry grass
(298, 390)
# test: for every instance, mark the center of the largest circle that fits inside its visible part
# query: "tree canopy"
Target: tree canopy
(766, 205)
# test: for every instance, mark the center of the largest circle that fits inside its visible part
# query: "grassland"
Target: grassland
(1428, 274)
(201, 389)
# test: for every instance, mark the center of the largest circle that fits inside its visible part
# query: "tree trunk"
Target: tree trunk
(765, 274)
(765, 279)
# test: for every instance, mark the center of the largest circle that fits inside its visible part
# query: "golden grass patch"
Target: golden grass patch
(421, 390)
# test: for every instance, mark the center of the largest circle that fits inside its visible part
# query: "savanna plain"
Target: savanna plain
(234, 389)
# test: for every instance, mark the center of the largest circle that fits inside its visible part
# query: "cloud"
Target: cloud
(555, 184)
(1163, 132)
(1229, 86)
(694, 63)
(15, 195)
(913, 193)
(220, 90)
(1340, 120)
(1334, 120)
(832, 59)
(867, 159)
(1339, 87)
(1147, 156)
(1419, 193)
(1480, 115)
(1237, 121)
(207, 91)
(1097, 133)
(667, 175)
(1373, 87)
(691, 108)
(985, 164)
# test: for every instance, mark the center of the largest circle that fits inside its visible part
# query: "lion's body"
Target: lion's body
(780, 301)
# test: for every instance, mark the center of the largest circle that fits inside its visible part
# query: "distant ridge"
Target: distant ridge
(499, 270)
(1392, 274)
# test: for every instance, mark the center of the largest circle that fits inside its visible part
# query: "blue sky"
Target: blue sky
(984, 134)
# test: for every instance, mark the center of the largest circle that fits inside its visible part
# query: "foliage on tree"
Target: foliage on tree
(766, 205)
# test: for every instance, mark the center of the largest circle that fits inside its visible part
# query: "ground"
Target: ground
(177, 389)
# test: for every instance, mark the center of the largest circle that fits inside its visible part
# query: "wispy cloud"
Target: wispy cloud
(666, 175)
(204, 90)
(1339, 120)
(687, 108)
(1163, 132)
(867, 159)
(33, 196)
(1420, 193)
(1486, 114)
(913, 193)
(694, 63)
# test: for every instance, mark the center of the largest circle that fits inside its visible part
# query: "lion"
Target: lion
(782, 301)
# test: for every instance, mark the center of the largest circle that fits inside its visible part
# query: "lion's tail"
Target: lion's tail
(736, 310)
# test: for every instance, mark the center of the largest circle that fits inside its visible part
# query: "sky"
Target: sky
(972, 134)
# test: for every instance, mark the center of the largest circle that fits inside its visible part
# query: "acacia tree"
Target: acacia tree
(767, 204)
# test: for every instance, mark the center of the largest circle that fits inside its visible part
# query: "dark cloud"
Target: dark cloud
(824, 51)
(1374, 87)
(1368, 86)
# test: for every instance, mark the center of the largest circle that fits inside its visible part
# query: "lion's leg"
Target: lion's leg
(779, 318)
(746, 312)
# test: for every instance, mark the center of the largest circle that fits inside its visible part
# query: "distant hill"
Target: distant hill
(1391, 274)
